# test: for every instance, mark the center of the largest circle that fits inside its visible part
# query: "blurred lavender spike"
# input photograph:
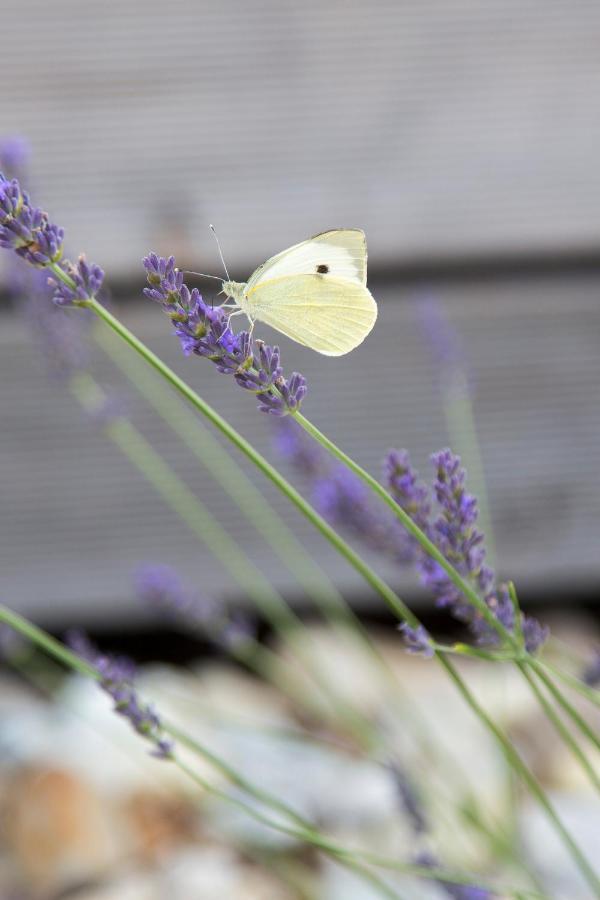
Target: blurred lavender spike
(15, 155)
(117, 674)
(440, 335)
(161, 588)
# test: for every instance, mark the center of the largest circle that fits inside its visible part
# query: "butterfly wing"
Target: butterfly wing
(343, 251)
(328, 314)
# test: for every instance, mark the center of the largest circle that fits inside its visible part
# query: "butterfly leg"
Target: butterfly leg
(236, 313)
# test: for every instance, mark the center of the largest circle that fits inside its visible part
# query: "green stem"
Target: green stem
(534, 786)
(584, 690)
(570, 710)
(562, 729)
(346, 854)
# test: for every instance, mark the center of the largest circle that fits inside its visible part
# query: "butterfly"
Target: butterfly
(314, 292)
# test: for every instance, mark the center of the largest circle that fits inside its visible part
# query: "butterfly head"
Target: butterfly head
(235, 290)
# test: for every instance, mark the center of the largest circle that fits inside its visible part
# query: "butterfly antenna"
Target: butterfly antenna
(201, 274)
(212, 228)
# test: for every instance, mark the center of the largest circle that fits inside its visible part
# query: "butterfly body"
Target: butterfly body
(314, 292)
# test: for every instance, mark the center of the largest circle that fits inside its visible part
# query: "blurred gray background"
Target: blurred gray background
(462, 136)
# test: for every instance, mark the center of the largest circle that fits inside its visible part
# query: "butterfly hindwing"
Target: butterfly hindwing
(329, 314)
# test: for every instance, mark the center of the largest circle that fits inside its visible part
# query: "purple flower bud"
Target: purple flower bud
(292, 442)
(409, 799)
(417, 640)
(452, 889)
(15, 153)
(591, 673)
(88, 281)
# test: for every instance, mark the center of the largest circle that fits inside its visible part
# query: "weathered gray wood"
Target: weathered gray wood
(440, 127)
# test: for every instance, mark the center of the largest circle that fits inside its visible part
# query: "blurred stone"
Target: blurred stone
(58, 829)
(580, 813)
(128, 886)
(210, 873)
(158, 822)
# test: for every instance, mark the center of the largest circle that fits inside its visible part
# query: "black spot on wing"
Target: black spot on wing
(322, 269)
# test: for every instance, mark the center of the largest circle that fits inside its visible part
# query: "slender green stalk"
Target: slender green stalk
(584, 690)
(46, 642)
(371, 577)
(346, 854)
(562, 729)
(512, 593)
(534, 786)
(568, 707)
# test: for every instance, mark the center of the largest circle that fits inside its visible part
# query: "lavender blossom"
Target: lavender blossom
(403, 483)
(12, 645)
(409, 800)
(28, 231)
(301, 451)
(417, 640)
(87, 280)
(204, 331)
(454, 531)
(591, 673)
(117, 674)
(345, 501)
(161, 588)
(15, 153)
(452, 889)
(59, 336)
(440, 335)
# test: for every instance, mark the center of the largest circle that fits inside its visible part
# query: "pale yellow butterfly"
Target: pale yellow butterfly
(314, 292)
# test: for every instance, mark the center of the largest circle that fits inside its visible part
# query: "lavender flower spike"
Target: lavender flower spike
(88, 281)
(15, 152)
(591, 673)
(160, 588)
(27, 229)
(454, 531)
(204, 331)
(116, 679)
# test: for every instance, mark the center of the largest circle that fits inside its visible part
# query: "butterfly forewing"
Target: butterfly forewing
(341, 253)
